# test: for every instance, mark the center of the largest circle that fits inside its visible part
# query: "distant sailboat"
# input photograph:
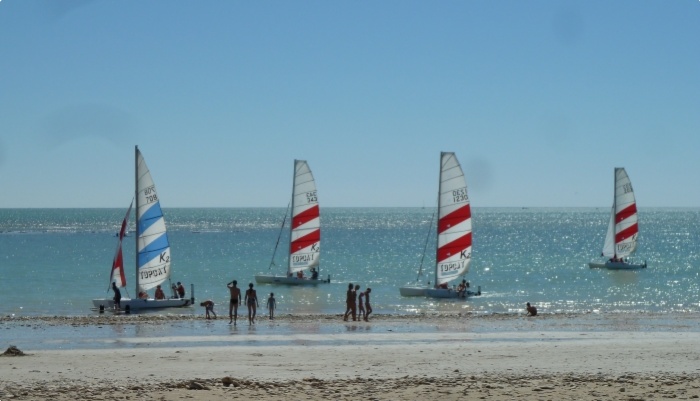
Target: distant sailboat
(152, 248)
(305, 233)
(623, 227)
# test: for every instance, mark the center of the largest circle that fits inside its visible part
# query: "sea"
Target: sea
(53, 262)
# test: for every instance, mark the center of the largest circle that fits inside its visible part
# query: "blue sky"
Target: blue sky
(539, 99)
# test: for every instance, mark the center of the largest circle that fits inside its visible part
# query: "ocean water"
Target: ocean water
(54, 261)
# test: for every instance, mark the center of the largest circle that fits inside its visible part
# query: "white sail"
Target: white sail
(454, 222)
(609, 244)
(152, 246)
(626, 221)
(305, 239)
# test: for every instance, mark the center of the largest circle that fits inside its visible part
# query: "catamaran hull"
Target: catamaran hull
(450, 293)
(617, 265)
(141, 304)
(412, 291)
(270, 279)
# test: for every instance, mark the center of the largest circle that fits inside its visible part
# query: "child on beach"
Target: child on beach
(271, 305)
(209, 307)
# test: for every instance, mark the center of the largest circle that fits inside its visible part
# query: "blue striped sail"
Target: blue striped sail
(153, 248)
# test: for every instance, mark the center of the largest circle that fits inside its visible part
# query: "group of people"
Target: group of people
(250, 298)
(178, 293)
(355, 303)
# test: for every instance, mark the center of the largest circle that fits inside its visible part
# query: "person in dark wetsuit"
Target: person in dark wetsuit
(117, 296)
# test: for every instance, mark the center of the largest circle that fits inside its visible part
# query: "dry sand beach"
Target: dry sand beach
(549, 357)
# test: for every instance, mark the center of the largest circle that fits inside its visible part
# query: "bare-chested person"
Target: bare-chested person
(349, 302)
(235, 301)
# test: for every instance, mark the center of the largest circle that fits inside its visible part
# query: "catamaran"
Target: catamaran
(454, 231)
(305, 234)
(152, 249)
(623, 227)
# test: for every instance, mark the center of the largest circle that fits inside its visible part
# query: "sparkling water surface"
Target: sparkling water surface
(55, 261)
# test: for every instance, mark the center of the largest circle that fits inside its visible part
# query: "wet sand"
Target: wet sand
(557, 357)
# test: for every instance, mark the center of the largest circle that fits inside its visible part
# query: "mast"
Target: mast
(138, 230)
(437, 226)
(291, 224)
(615, 214)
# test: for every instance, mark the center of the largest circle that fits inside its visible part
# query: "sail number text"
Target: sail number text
(150, 194)
(627, 188)
(460, 195)
(311, 197)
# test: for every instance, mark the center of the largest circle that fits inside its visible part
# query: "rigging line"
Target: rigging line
(427, 238)
(272, 262)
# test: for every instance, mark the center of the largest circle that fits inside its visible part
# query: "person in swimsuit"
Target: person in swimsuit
(251, 299)
(117, 296)
(361, 306)
(235, 300)
(368, 307)
(271, 305)
(209, 307)
(348, 302)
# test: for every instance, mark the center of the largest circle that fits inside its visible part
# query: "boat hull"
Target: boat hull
(412, 291)
(450, 293)
(617, 265)
(284, 280)
(142, 304)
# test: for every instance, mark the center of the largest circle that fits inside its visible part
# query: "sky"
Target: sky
(540, 101)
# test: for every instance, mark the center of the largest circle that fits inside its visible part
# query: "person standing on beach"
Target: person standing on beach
(235, 300)
(271, 305)
(117, 296)
(368, 307)
(251, 299)
(531, 310)
(361, 306)
(349, 302)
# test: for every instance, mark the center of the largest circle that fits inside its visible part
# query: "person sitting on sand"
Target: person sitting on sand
(209, 307)
(159, 293)
(531, 310)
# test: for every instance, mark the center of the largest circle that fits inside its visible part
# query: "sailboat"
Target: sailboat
(454, 231)
(623, 229)
(305, 233)
(152, 249)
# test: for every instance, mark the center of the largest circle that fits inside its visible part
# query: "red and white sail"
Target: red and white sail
(305, 240)
(621, 239)
(117, 276)
(454, 232)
